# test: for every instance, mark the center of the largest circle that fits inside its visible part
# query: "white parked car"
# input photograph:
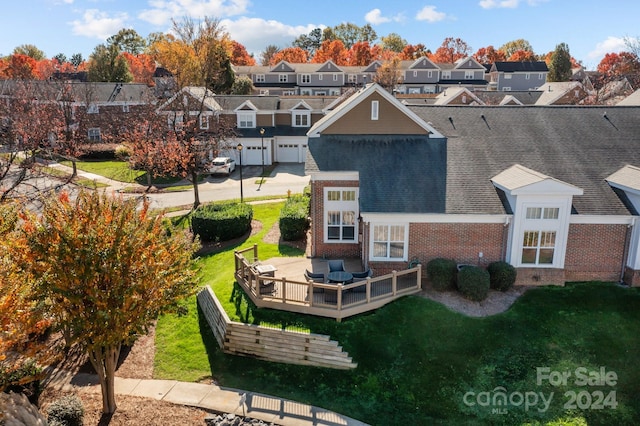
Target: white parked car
(223, 165)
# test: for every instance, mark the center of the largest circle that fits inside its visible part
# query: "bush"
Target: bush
(25, 380)
(294, 218)
(66, 411)
(473, 282)
(441, 273)
(221, 221)
(502, 275)
(122, 152)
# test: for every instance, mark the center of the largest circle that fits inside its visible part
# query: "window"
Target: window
(306, 78)
(507, 76)
(506, 89)
(246, 120)
(388, 242)
(538, 247)
(527, 76)
(341, 207)
(352, 78)
(320, 77)
(283, 78)
(93, 134)
(125, 108)
(429, 73)
(374, 110)
(260, 78)
(415, 73)
(446, 75)
(539, 239)
(468, 75)
(204, 121)
(540, 76)
(93, 109)
(175, 121)
(335, 77)
(301, 119)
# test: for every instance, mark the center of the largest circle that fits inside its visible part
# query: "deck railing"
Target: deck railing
(323, 299)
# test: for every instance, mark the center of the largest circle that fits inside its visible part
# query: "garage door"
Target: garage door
(252, 155)
(293, 152)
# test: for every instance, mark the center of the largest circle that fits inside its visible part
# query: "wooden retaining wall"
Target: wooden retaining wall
(270, 344)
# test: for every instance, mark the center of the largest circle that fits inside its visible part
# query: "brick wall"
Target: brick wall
(595, 252)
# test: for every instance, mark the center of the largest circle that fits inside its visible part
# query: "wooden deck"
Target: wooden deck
(286, 289)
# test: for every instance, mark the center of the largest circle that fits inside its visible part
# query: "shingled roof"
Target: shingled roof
(581, 146)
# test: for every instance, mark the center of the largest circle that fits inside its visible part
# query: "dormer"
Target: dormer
(301, 115)
(423, 63)
(282, 66)
(246, 115)
(469, 63)
(541, 207)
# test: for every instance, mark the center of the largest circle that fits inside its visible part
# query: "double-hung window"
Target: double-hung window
(93, 134)
(246, 120)
(301, 118)
(389, 241)
(539, 239)
(341, 213)
(305, 78)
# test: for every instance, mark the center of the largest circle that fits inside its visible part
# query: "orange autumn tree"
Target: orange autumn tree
(451, 50)
(489, 55)
(240, 56)
(106, 270)
(23, 325)
(141, 66)
(292, 55)
(522, 56)
(331, 50)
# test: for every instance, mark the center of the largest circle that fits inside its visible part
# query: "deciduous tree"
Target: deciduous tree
(107, 64)
(141, 66)
(267, 54)
(615, 64)
(414, 51)
(489, 55)
(389, 74)
(29, 50)
(293, 55)
(240, 56)
(106, 270)
(393, 42)
(331, 50)
(451, 50)
(128, 40)
(510, 47)
(522, 56)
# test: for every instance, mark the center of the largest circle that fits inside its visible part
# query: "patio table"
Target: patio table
(339, 277)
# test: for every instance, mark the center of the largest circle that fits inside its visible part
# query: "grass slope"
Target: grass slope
(417, 360)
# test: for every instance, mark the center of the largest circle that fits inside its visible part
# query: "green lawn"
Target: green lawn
(119, 171)
(417, 360)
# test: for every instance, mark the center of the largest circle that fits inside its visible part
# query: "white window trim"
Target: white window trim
(560, 226)
(246, 119)
(404, 258)
(204, 122)
(260, 78)
(340, 206)
(296, 114)
(305, 78)
(446, 75)
(375, 110)
(468, 75)
(283, 78)
(94, 131)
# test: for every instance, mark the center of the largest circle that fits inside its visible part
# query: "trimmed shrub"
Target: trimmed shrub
(294, 218)
(67, 411)
(221, 221)
(502, 274)
(441, 273)
(473, 282)
(24, 380)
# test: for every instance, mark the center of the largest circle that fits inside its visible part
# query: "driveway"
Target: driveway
(285, 177)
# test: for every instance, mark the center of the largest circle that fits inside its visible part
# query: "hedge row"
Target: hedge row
(294, 218)
(221, 221)
(472, 281)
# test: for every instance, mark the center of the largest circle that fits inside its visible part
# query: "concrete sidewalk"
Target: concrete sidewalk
(211, 397)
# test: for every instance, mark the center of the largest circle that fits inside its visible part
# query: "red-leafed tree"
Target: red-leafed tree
(522, 56)
(414, 51)
(331, 50)
(240, 56)
(360, 54)
(614, 64)
(451, 50)
(141, 66)
(293, 55)
(489, 55)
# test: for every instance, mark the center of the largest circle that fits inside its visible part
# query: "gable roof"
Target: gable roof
(551, 92)
(351, 102)
(631, 100)
(527, 66)
(573, 144)
(518, 179)
(459, 95)
(201, 94)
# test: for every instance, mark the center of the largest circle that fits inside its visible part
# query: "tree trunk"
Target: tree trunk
(104, 360)
(74, 173)
(196, 194)
(148, 180)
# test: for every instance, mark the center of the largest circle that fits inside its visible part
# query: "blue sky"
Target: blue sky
(590, 28)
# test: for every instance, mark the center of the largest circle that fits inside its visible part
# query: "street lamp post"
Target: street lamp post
(239, 148)
(262, 143)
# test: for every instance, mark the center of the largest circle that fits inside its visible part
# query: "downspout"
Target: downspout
(627, 242)
(505, 236)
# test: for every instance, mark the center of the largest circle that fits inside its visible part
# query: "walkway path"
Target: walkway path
(211, 397)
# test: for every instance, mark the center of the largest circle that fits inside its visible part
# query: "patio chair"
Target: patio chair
(314, 276)
(358, 276)
(336, 265)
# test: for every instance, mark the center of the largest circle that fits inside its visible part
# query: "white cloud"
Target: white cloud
(610, 45)
(429, 14)
(375, 17)
(97, 24)
(255, 34)
(162, 11)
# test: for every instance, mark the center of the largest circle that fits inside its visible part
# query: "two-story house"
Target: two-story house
(507, 76)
